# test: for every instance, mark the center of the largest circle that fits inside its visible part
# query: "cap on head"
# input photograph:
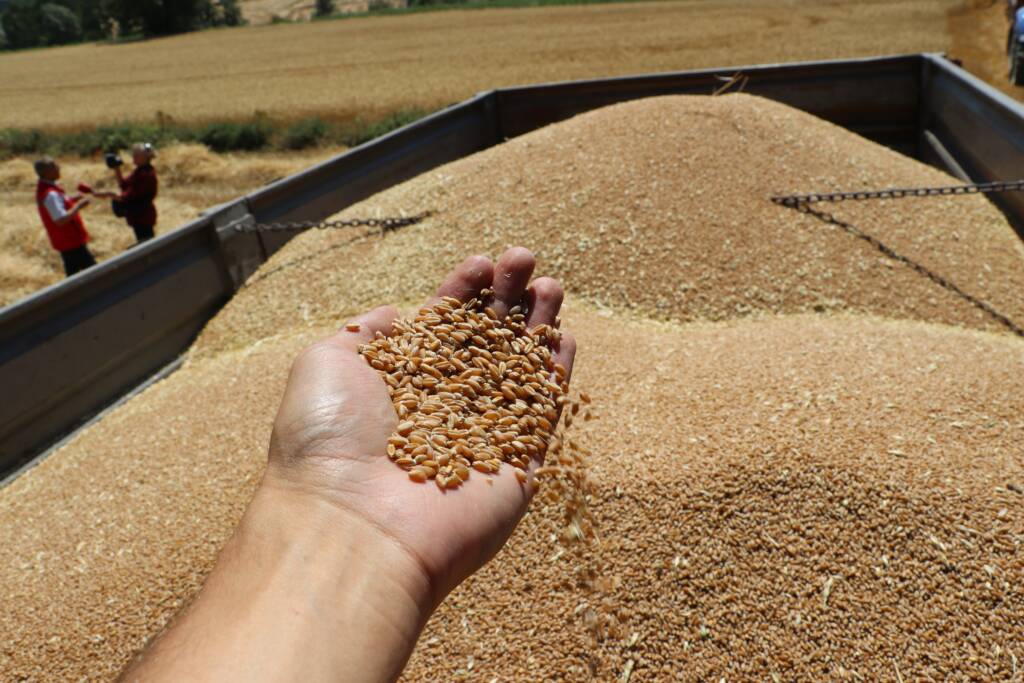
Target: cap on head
(43, 165)
(143, 148)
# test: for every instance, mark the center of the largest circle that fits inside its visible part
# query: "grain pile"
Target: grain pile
(661, 207)
(471, 390)
(782, 496)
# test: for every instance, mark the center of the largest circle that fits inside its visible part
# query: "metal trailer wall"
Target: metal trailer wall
(972, 130)
(74, 348)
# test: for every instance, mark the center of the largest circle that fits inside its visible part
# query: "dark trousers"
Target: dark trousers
(143, 233)
(77, 259)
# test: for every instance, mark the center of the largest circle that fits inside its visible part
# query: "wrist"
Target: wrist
(302, 591)
(339, 577)
(291, 519)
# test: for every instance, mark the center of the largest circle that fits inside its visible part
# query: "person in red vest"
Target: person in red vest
(138, 191)
(61, 218)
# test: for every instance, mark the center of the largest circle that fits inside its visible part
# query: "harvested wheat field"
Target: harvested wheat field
(374, 66)
(978, 31)
(808, 469)
(192, 179)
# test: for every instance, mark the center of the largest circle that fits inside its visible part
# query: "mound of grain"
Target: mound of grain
(809, 496)
(804, 496)
(662, 205)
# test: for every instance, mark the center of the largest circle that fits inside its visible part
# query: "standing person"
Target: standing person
(138, 191)
(61, 218)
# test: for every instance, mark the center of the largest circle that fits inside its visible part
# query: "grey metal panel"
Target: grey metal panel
(75, 347)
(935, 153)
(981, 129)
(875, 97)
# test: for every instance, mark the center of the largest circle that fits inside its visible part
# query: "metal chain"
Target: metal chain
(802, 203)
(385, 224)
(900, 193)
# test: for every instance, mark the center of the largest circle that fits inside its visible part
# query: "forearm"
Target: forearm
(302, 591)
(69, 216)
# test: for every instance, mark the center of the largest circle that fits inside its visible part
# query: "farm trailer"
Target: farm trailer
(74, 349)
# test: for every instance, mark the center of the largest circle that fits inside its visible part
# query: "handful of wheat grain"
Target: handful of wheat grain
(471, 390)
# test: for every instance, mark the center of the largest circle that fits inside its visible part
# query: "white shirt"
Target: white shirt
(54, 203)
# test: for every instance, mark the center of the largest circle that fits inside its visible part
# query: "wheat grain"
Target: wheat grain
(455, 412)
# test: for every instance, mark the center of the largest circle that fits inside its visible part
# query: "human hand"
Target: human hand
(340, 559)
(332, 428)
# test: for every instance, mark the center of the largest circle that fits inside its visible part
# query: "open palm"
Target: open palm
(331, 433)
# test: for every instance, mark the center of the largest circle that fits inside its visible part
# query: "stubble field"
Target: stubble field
(372, 66)
(192, 179)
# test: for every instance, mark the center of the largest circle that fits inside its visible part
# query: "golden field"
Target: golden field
(374, 65)
(192, 179)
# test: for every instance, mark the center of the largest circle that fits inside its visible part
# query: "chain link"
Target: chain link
(385, 224)
(802, 203)
(792, 201)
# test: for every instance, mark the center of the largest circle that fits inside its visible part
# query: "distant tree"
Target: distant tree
(59, 25)
(229, 13)
(22, 23)
(324, 8)
(32, 23)
(90, 17)
(159, 17)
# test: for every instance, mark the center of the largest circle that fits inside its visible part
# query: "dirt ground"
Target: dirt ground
(259, 12)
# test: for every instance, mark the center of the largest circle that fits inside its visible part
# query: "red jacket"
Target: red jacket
(138, 191)
(65, 237)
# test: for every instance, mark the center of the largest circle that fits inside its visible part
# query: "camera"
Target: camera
(113, 161)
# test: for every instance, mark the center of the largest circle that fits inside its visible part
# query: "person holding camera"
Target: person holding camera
(138, 191)
(60, 213)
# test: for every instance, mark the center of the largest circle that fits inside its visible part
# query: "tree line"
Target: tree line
(41, 23)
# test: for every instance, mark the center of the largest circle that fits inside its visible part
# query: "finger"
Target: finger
(466, 280)
(544, 298)
(565, 353)
(511, 275)
(363, 328)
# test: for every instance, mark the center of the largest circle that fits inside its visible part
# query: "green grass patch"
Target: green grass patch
(230, 136)
(362, 130)
(305, 133)
(258, 133)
